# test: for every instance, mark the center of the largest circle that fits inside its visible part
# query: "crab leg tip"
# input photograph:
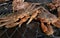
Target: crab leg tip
(29, 21)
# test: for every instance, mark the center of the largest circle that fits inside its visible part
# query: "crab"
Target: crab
(55, 4)
(25, 11)
(21, 16)
(46, 17)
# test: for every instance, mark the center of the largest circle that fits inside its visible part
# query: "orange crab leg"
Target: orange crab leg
(57, 24)
(50, 30)
(47, 29)
(11, 25)
(32, 17)
(23, 20)
(44, 28)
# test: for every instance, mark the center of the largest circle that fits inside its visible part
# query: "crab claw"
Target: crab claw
(44, 28)
(57, 24)
(47, 29)
(50, 30)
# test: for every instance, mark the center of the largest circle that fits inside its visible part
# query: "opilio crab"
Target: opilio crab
(30, 11)
(55, 4)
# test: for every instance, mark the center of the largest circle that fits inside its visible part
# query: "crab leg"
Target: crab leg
(50, 30)
(36, 12)
(11, 25)
(33, 16)
(6, 19)
(10, 17)
(23, 20)
(44, 28)
(57, 24)
(8, 22)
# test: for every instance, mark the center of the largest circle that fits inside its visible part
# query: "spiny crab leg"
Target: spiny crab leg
(31, 8)
(34, 5)
(33, 16)
(4, 20)
(48, 30)
(7, 18)
(8, 22)
(57, 23)
(44, 28)
(14, 19)
(23, 20)
(37, 11)
(10, 25)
